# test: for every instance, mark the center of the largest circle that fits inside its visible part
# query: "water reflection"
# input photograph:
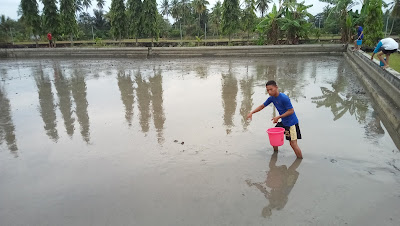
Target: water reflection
(3, 73)
(148, 93)
(125, 85)
(342, 98)
(202, 71)
(229, 93)
(143, 98)
(157, 103)
(314, 71)
(46, 104)
(373, 129)
(78, 88)
(289, 75)
(261, 71)
(339, 104)
(246, 86)
(145, 88)
(281, 181)
(7, 128)
(290, 78)
(63, 89)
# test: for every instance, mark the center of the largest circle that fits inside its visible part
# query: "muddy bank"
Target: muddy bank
(160, 43)
(384, 87)
(178, 52)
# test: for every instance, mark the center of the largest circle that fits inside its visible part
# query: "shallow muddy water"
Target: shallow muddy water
(166, 142)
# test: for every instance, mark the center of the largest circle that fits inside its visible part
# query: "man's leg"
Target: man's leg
(296, 149)
(387, 59)
(380, 57)
(275, 148)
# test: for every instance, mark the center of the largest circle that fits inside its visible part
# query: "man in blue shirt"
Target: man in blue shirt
(360, 36)
(286, 113)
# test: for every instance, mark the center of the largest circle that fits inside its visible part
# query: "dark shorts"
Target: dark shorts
(291, 132)
(388, 51)
(50, 41)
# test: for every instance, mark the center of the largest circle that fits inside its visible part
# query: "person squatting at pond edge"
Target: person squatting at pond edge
(385, 46)
(286, 113)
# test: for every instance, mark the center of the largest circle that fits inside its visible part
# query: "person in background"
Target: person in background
(360, 36)
(50, 38)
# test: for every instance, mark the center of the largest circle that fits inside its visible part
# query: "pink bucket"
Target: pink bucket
(276, 136)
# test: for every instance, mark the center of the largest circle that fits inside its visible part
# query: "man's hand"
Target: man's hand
(275, 119)
(250, 116)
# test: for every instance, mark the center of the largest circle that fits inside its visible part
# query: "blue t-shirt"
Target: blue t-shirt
(360, 29)
(282, 104)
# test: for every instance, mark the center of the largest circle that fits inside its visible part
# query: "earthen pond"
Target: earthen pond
(166, 142)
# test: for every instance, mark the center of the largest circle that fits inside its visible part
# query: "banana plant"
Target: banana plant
(269, 25)
(294, 22)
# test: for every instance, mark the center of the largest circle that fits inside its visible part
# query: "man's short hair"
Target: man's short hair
(271, 82)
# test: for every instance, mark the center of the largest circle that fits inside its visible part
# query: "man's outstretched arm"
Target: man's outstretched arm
(259, 108)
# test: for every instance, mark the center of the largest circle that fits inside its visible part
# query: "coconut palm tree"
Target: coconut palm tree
(185, 8)
(262, 5)
(340, 11)
(100, 4)
(216, 16)
(200, 6)
(175, 10)
(165, 8)
(394, 9)
(86, 4)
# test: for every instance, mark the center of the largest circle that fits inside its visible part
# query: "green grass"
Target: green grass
(394, 61)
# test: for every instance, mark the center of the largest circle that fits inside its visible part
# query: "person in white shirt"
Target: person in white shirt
(385, 46)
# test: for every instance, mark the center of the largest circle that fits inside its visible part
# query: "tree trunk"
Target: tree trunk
(136, 41)
(198, 32)
(152, 43)
(230, 39)
(36, 41)
(248, 37)
(71, 39)
(343, 35)
(391, 29)
(180, 29)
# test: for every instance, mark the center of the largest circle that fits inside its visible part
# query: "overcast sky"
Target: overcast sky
(10, 7)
